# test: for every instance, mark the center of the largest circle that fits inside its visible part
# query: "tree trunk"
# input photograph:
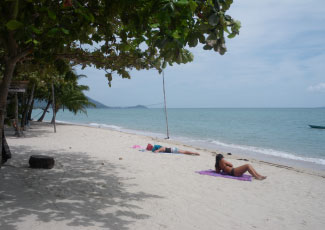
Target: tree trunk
(54, 116)
(45, 110)
(29, 117)
(16, 122)
(24, 119)
(11, 57)
(54, 108)
(4, 86)
(5, 151)
(23, 104)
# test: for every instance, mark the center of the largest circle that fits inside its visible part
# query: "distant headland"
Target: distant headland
(102, 106)
(39, 104)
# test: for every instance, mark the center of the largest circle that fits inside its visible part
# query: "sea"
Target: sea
(278, 135)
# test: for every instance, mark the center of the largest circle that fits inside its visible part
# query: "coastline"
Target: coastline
(99, 181)
(294, 162)
(244, 132)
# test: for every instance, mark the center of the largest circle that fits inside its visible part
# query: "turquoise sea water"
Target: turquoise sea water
(281, 133)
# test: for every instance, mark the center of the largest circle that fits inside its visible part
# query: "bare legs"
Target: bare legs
(244, 168)
(188, 152)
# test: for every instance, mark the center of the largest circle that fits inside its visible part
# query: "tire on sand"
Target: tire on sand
(41, 161)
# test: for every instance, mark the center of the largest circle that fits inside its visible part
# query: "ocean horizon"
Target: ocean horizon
(280, 135)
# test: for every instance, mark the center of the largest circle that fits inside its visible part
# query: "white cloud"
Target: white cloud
(317, 88)
(276, 26)
(277, 55)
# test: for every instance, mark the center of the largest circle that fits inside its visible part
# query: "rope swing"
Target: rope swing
(165, 104)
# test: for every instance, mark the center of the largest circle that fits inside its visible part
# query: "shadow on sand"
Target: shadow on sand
(36, 129)
(79, 192)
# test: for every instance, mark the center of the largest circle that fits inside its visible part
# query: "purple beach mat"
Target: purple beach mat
(211, 172)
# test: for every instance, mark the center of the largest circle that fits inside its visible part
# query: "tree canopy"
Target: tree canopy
(114, 35)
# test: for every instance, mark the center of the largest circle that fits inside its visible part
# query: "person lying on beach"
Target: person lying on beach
(227, 167)
(159, 148)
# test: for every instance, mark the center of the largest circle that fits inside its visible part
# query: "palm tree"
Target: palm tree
(69, 95)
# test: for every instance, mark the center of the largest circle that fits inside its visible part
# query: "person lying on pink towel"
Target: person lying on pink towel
(159, 148)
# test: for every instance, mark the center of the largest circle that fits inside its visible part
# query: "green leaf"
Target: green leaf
(65, 31)
(155, 25)
(53, 31)
(225, 28)
(32, 40)
(204, 27)
(125, 74)
(28, 41)
(237, 25)
(228, 17)
(182, 2)
(91, 17)
(216, 47)
(214, 19)
(125, 47)
(87, 15)
(14, 25)
(176, 35)
(193, 5)
(51, 14)
(201, 38)
(207, 47)
(109, 76)
(232, 35)
(164, 64)
(96, 37)
(35, 30)
(192, 42)
(222, 51)
(212, 36)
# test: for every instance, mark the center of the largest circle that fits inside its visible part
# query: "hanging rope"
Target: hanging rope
(165, 104)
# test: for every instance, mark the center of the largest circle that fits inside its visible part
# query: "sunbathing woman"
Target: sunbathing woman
(227, 167)
(159, 148)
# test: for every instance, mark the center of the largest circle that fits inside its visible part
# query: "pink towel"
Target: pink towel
(211, 172)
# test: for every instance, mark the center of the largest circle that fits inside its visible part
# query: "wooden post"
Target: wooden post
(53, 107)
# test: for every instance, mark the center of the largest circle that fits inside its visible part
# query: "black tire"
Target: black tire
(40, 161)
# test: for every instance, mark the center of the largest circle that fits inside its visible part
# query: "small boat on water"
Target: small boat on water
(317, 127)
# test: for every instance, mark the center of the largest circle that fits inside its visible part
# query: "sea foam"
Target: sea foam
(269, 152)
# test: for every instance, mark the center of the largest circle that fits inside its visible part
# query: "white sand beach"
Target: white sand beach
(100, 182)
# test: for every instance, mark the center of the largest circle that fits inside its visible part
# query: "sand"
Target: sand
(100, 182)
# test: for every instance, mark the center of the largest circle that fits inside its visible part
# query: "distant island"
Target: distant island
(102, 106)
(129, 107)
(39, 104)
(98, 104)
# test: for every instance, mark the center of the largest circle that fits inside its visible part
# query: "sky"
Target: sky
(277, 61)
